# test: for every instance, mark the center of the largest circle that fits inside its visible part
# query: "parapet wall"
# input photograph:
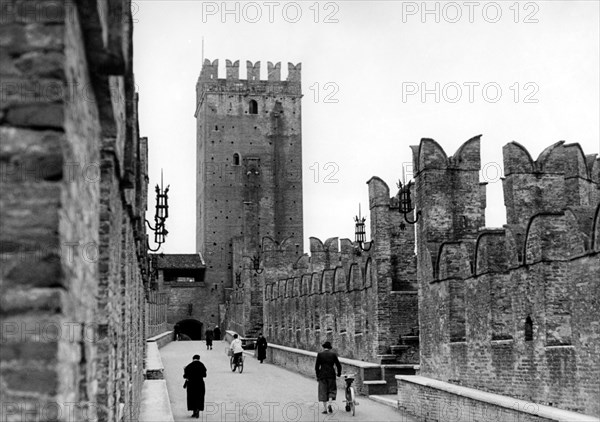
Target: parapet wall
(361, 300)
(561, 176)
(209, 81)
(329, 298)
(210, 71)
(513, 311)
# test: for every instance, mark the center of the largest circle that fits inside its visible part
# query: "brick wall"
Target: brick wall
(361, 301)
(73, 179)
(260, 194)
(480, 289)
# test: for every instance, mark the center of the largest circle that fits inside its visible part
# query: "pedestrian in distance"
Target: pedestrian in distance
(261, 348)
(325, 367)
(194, 375)
(217, 334)
(209, 339)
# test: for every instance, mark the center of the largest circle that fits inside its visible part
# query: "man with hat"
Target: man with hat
(325, 367)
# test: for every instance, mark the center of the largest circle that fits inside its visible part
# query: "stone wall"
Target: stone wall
(511, 311)
(73, 244)
(361, 301)
(335, 303)
(203, 303)
(433, 400)
(156, 313)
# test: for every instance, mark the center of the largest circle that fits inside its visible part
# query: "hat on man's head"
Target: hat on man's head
(196, 357)
(326, 345)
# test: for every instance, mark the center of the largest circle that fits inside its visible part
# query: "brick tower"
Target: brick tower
(249, 168)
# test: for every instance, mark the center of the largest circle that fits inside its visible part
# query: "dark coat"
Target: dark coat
(195, 373)
(324, 367)
(261, 348)
(217, 333)
(209, 337)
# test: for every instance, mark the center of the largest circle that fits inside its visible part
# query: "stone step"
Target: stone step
(387, 359)
(375, 387)
(390, 400)
(406, 353)
(390, 372)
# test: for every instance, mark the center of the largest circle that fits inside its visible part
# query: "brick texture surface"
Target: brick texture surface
(73, 243)
(480, 287)
(249, 178)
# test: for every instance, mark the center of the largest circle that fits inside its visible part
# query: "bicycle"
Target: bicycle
(350, 401)
(236, 365)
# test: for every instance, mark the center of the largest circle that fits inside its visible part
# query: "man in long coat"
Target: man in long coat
(261, 348)
(194, 375)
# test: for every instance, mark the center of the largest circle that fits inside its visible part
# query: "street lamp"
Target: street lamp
(161, 215)
(238, 278)
(405, 205)
(256, 264)
(359, 232)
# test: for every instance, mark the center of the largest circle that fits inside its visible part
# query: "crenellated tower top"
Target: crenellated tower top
(209, 81)
(210, 71)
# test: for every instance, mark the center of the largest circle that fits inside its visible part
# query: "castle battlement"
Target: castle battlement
(549, 237)
(560, 158)
(560, 187)
(210, 72)
(429, 155)
(490, 293)
(327, 281)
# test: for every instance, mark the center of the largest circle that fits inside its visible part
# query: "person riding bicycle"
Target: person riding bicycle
(236, 348)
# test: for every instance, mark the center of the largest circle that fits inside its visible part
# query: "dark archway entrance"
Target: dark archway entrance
(188, 329)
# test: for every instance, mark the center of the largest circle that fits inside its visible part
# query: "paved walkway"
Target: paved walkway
(263, 392)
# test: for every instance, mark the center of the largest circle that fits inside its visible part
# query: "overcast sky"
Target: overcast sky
(526, 71)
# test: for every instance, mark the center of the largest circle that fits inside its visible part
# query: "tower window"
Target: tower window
(528, 329)
(253, 107)
(236, 159)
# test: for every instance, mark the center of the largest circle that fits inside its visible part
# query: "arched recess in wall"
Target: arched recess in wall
(188, 329)
(368, 273)
(252, 107)
(236, 159)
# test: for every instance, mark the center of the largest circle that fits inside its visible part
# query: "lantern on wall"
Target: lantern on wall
(256, 264)
(405, 205)
(160, 216)
(360, 236)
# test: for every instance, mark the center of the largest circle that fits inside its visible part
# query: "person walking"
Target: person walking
(217, 334)
(325, 367)
(209, 339)
(194, 375)
(261, 348)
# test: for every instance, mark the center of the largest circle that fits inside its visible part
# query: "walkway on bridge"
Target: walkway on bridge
(263, 392)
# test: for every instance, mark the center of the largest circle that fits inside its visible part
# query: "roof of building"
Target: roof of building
(180, 261)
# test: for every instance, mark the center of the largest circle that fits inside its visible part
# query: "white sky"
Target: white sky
(375, 52)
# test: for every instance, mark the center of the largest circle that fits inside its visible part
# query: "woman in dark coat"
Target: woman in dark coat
(209, 338)
(194, 375)
(261, 348)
